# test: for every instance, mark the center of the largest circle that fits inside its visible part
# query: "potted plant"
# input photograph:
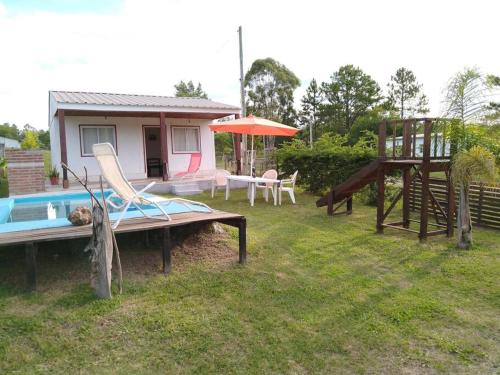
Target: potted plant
(54, 176)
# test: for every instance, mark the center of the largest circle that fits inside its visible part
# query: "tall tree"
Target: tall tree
(44, 139)
(493, 108)
(405, 94)
(350, 94)
(270, 86)
(9, 131)
(187, 89)
(309, 114)
(465, 96)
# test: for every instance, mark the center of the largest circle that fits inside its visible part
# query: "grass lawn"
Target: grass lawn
(318, 295)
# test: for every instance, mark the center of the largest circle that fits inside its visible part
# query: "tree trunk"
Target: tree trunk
(101, 247)
(464, 224)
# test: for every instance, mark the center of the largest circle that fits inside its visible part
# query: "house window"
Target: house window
(185, 139)
(90, 135)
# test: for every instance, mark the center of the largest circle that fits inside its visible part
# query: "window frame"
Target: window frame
(173, 139)
(80, 132)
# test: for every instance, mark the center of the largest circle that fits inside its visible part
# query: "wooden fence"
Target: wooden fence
(484, 201)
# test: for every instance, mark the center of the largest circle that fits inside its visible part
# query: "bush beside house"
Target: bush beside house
(329, 163)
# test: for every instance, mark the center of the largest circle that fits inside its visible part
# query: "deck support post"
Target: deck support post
(242, 236)
(62, 144)
(426, 163)
(380, 198)
(163, 146)
(167, 251)
(329, 209)
(31, 250)
(381, 176)
(407, 180)
(406, 173)
(349, 206)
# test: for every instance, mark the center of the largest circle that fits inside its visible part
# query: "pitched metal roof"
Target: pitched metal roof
(120, 100)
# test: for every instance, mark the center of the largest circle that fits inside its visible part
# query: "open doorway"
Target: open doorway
(152, 146)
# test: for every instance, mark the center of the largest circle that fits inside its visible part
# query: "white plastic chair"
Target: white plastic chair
(288, 186)
(113, 173)
(219, 180)
(271, 174)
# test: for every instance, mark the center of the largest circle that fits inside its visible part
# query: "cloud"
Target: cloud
(146, 47)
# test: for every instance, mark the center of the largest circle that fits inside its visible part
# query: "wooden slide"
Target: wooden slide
(354, 183)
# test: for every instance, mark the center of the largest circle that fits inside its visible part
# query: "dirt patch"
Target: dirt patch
(203, 245)
(62, 266)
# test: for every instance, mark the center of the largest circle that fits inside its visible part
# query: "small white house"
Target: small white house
(6, 143)
(152, 135)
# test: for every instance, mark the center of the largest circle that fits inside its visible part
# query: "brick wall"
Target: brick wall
(25, 171)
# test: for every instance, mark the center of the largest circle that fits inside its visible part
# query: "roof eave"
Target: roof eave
(145, 109)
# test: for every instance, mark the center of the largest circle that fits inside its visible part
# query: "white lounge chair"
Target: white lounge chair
(288, 186)
(271, 174)
(113, 173)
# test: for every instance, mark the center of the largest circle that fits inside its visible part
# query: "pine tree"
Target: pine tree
(350, 94)
(405, 94)
(309, 114)
(183, 89)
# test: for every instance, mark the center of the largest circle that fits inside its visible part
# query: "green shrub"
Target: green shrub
(369, 194)
(329, 163)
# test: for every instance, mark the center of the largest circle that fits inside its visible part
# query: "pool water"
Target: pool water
(55, 207)
(52, 210)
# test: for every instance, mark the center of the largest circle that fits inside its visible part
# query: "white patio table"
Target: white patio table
(252, 182)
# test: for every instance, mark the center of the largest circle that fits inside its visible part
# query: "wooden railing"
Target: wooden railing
(401, 139)
(484, 201)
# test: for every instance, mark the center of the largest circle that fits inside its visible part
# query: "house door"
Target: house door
(152, 148)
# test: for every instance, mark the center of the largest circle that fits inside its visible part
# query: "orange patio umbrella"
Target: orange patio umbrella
(252, 125)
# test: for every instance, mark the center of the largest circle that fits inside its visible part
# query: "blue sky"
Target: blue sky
(63, 6)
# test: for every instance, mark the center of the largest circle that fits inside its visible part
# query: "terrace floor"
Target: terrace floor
(159, 187)
(317, 295)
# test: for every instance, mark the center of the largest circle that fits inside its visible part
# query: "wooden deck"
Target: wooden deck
(30, 239)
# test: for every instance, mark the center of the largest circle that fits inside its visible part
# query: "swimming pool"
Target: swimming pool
(52, 210)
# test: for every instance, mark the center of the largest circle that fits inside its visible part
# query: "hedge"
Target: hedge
(321, 169)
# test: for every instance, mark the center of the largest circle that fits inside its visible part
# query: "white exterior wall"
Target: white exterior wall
(55, 147)
(130, 144)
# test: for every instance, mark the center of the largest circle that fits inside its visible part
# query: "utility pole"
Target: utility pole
(242, 90)
(242, 82)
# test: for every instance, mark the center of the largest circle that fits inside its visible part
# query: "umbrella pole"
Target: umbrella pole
(251, 158)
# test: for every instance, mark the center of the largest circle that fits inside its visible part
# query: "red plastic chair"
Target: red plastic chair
(194, 166)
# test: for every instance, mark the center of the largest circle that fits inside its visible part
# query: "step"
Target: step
(186, 188)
